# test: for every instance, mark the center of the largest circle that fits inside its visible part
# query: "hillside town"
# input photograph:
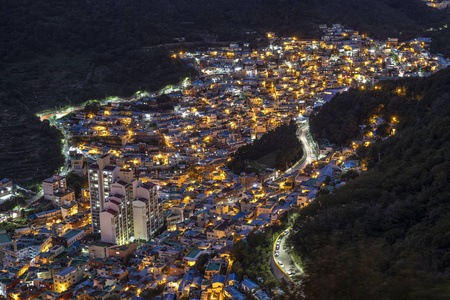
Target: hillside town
(438, 4)
(162, 209)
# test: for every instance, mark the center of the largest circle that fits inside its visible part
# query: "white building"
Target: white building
(3, 283)
(25, 248)
(108, 220)
(52, 185)
(116, 220)
(56, 190)
(122, 207)
(133, 211)
(98, 250)
(77, 162)
(148, 214)
(64, 279)
(101, 176)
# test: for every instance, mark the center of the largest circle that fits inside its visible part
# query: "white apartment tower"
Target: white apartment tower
(148, 213)
(133, 211)
(101, 176)
(123, 208)
(116, 220)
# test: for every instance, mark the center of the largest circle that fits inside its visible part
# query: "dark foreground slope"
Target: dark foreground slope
(386, 235)
(30, 149)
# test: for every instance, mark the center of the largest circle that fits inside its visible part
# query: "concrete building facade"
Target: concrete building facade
(56, 190)
(101, 176)
(122, 208)
(64, 279)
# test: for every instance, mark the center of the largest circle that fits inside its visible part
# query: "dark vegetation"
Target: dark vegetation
(152, 293)
(10, 227)
(201, 263)
(385, 235)
(11, 203)
(88, 49)
(339, 120)
(23, 221)
(76, 183)
(91, 49)
(282, 140)
(30, 149)
(251, 255)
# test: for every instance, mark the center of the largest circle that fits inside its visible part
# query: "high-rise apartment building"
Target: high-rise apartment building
(148, 213)
(116, 220)
(123, 208)
(101, 176)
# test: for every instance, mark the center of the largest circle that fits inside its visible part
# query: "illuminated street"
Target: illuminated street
(284, 260)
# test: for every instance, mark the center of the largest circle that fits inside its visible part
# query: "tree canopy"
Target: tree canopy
(282, 142)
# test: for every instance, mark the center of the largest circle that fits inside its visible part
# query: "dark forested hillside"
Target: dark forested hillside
(30, 149)
(338, 120)
(50, 27)
(386, 235)
(54, 53)
(281, 143)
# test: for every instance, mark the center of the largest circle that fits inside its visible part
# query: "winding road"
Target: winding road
(283, 259)
(308, 146)
(282, 264)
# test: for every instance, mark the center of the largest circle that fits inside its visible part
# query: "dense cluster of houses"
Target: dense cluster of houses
(183, 151)
(439, 4)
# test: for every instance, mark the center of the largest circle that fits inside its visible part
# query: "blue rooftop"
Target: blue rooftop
(219, 279)
(249, 284)
(66, 271)
(234, 293)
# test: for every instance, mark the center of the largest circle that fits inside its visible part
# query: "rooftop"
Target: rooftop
(4, 239)
(249, 284)
(71, 233)
(66, 271)
(53, 179)
(213, 266)
(193, 254)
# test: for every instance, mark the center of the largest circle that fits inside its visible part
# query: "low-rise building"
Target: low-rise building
(5, 240)
(56, 190)
(69, 238)
(6, 186)
(99, 250)
(63, 280)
